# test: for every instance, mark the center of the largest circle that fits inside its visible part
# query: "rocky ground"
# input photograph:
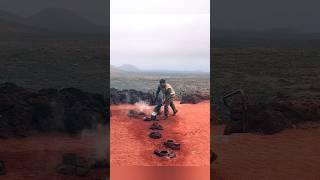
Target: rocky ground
(132, 146)
(132, 96)
(275, 115)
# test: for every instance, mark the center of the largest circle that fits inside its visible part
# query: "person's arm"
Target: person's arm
(157, 93)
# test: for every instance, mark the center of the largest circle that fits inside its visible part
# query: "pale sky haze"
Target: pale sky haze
(151, 34)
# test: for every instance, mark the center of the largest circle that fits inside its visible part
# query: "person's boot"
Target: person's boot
(173, 107)
(175, 112)
(166, 112)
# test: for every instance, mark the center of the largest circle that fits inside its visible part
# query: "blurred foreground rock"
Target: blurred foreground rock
(213, 156)
(276, 115)
(2, 168)
(67, 110)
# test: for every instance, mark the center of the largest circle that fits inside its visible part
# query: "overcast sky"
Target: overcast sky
(161, 34)
(94, 10)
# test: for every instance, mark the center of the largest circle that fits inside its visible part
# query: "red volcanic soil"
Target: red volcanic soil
(291, 154)
(131, 146)
(36, 157)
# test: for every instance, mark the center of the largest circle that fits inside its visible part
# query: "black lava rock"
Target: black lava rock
(155, 135)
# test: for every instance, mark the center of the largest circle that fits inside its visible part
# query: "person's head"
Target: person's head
(162, 83)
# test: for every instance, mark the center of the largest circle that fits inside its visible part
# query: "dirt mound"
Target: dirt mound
(130, 97)
(278, 114)
(68, 110)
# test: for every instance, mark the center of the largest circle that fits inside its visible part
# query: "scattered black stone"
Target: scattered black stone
(172, 145)
(2, 168)
(164, 153)
(155, 135)
(156, 126)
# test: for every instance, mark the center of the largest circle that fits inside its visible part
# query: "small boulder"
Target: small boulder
(155, 135)
(156, 126)
(165, 153)
(172, 145)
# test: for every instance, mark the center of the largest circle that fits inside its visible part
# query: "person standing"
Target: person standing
(168, 96)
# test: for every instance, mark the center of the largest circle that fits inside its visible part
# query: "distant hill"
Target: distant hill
(48, 20)
(271, 38)
(129, 68)
(11, 23)
(113, 68)
(63, 20)
(9, 27)
(268, 34)
(116, 71)
(10, 17)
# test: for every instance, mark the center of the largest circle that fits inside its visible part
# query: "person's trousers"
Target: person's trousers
(168, 102)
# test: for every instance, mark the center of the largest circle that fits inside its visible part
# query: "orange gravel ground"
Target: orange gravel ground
(292, 154)
(131, 146)
(36, 157)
